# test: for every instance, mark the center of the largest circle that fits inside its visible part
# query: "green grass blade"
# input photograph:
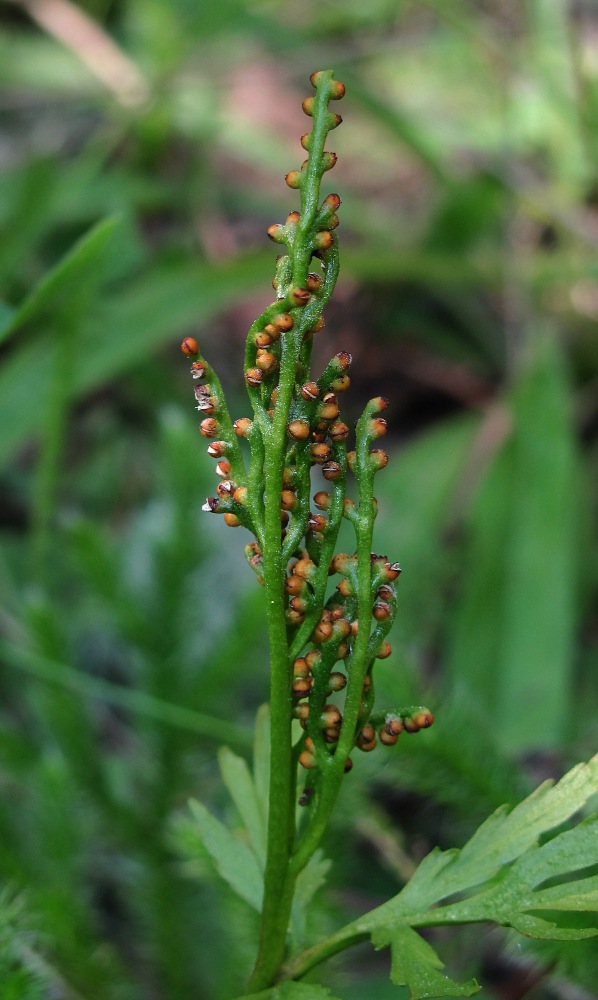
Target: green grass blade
(54, 293)
(512, 648)
(137, 702)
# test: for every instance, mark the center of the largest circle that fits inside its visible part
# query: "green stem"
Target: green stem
(362, 928)
(278, 889)
(276, 904)
(310, 188)
(299, 966)
(279, 876)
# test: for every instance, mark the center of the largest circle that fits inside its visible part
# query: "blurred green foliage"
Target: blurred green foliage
(135, 189)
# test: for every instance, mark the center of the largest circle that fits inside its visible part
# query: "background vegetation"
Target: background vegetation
(143, 145)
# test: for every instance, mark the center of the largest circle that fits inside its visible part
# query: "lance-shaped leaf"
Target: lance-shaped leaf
(233, 859)
(241, 788)
(54, 292)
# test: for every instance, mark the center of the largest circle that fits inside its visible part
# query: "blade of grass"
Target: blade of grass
(536, 649)
(513, 628)
(137, 702)
(54, 292)
(78, 283)
(148, 314)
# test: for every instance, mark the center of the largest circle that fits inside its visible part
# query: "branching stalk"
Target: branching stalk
(296, 426)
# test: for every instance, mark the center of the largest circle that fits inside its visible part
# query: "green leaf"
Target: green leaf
(577, 895)
(150, 311)
(292, 991)
(27, 196)
(54, 291)
(500, 840)
(237, 778)
(515, 900)
(536, 649)
(543, 891)
(514, 625)
(155, 308)
(418, 501)
(233, 859)
(416, 965)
